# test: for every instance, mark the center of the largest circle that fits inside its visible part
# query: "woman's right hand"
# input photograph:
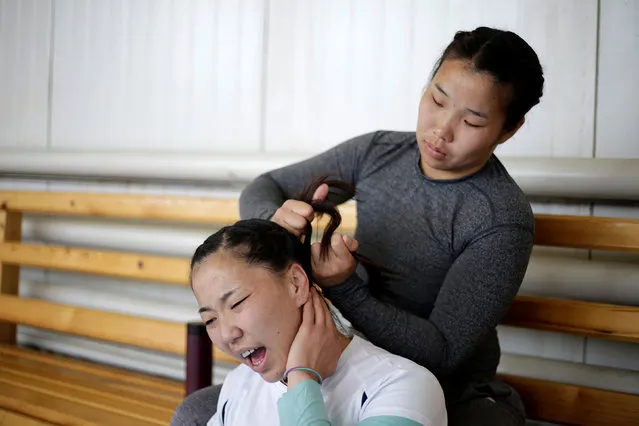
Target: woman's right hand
(317, 345)
(294, 214)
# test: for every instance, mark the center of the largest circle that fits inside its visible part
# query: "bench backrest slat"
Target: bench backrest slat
(575, 405)
(172, 270)
(154, 334)
(575, 317)
(127, 206)
(596, 233)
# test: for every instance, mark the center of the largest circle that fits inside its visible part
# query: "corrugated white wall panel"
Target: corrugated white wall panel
(158, 75)
(339, 68)
(564, 35)
(617, 89)
(25, 27)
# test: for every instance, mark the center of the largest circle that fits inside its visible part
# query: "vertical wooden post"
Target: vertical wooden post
(199, 358)
(10, 231)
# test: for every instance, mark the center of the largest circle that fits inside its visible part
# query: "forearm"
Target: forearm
(478, 289)
(303, 405)
(387, 326)
(261, 198)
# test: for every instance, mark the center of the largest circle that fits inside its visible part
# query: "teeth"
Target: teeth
(247, 353)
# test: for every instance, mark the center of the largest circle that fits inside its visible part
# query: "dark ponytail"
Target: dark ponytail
(340, 189)
(266, 243)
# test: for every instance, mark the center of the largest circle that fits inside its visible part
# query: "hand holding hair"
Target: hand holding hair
(339, 263)
(294, 215)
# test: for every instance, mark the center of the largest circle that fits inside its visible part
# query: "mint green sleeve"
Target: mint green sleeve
(388, 421)
(303, 405)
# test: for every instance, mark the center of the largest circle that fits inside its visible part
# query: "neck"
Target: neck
(344, 342)
(437, 174)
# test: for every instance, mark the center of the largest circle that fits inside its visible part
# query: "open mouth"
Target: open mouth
(255, 357)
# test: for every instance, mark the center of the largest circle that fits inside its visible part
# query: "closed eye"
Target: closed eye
(239, 303)
(472, 125)
(437, 103)
(209, 322)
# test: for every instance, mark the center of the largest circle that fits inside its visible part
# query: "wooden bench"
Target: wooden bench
(55, 389)
(564, 403)
(44, 388)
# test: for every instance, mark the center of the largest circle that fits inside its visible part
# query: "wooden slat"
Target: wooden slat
(597, 233)
(8, 418)
(89, 383)
(49, 406)
(171, 270)
(102, 373)
(43, 413)
(575, 405)
(576, 317)
(154, 207)
(10, 230)
(147, 333)
(96, 398)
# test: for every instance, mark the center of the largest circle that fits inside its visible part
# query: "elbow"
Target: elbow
(448, 361)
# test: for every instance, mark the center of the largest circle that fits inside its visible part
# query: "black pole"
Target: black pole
(199, 358)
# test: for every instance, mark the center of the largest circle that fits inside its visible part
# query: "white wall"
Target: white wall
(159, 82)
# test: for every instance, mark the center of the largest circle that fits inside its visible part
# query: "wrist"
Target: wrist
(296, 377)
(337, 279)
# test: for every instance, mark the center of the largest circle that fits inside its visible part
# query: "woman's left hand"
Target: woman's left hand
(339, 265)
(317, 345)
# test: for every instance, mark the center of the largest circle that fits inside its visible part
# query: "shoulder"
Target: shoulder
(391, 140)
(386, 148)
(497, 198)
(389, 382)
(381, 140)
(378, 368)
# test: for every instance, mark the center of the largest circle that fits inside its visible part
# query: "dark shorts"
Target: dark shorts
(491, 403)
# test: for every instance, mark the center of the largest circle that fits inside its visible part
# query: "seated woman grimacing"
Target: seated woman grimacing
(253, 283)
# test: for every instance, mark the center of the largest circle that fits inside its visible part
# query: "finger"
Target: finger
(319, 310)
(308, 316)
(328, 316)
(338, 247)
(321, 193)
(294, 223)
(316, 248)
(351, 243)
(301, 208)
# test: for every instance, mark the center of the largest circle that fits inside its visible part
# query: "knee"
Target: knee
(197, 408)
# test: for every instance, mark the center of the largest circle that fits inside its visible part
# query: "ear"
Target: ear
(298, 284)
(507, 135)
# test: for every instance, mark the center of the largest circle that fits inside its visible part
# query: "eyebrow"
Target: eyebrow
(441, 90)
(477, 113)
(470, 110)
(223, 299)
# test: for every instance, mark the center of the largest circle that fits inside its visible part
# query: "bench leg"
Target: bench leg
(199, 358)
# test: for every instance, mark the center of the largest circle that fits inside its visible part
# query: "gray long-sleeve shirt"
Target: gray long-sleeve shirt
(453, 252)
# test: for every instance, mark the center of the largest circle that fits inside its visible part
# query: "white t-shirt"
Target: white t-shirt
(369, 382)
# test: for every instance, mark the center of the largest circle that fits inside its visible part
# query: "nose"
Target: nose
(444, 128)
(229, 332)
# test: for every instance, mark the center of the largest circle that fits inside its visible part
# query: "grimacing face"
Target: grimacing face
(460, 120)
(250, 312)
